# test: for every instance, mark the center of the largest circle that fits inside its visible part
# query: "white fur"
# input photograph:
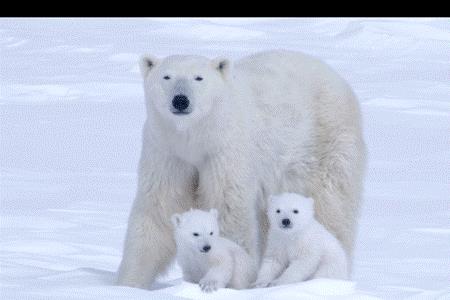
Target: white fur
(225, 265)
(273, 122)
(302, 250)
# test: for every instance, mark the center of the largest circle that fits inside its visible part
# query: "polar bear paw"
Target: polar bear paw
(275, 283)
(260, 284)
(209, 285)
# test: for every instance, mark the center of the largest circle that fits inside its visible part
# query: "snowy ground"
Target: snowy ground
(71, 111)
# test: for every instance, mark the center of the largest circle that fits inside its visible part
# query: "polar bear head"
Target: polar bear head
(290, 212)
(196, 229)
(184, 89)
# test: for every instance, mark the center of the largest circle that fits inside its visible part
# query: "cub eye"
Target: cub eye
(195, 234)
(278, 211)
(295, 211)
(199, 78)
(167, 77)
(211, 233)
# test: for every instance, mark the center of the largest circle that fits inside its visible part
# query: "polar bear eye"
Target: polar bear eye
(278, 211)
(295, 211)
(211, 233)
(199, 78)
(167, 77)
(195, 234)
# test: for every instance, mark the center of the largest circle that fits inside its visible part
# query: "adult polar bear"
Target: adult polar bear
(227, 136)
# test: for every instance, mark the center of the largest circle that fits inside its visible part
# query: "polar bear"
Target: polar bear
(298, 247)
(207, 258)
(227, 135)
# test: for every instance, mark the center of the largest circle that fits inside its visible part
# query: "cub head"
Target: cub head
(196, 229)
(184, 89)
(290, 212)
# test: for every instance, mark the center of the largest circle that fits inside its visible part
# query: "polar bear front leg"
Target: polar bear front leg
(219, 273)
(165, 187)
(299, 269)
(146, 251)
(270, 269)
(226, 183)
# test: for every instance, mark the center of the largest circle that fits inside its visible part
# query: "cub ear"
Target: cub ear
(214, 212)
(176, 220)
(222, 65)
(147, 63)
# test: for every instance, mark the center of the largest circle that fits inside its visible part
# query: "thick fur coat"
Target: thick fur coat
(272, 122)
(207, 258)
(299, 248)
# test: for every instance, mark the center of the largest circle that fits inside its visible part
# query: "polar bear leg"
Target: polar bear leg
(227, 185)
(338, 185)
(332, 267)
(299, 269)
(146, 254)
(337, 198)
(149, 243)
(219, 273)
(270, 269)
(244, 272)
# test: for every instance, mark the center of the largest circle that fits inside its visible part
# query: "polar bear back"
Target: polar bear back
(290, 82)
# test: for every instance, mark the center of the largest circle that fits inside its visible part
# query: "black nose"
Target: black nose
(286, 222)
(206, 248)
(180, 102)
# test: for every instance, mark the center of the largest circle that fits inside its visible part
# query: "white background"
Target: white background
(71, 112)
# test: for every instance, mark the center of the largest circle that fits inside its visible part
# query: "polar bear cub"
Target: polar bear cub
(298, 246)
(207, 258)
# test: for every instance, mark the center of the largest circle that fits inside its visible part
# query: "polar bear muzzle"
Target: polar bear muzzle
(286, 223)
(206, 248)
(180, 104)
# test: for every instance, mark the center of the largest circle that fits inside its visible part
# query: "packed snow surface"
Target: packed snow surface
(71, 113)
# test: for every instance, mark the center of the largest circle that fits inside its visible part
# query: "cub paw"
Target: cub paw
(260, 284)
(275, 283)
(209, 285)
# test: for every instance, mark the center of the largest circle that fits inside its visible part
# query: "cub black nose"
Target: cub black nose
(180, 102)
(286, 222)
(206, 248)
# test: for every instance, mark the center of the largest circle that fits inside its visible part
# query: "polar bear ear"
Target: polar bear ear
(147, 63)
(214, 212)
(222, 65)
(176, 220)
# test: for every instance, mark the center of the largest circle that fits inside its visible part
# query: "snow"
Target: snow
(71, 112)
